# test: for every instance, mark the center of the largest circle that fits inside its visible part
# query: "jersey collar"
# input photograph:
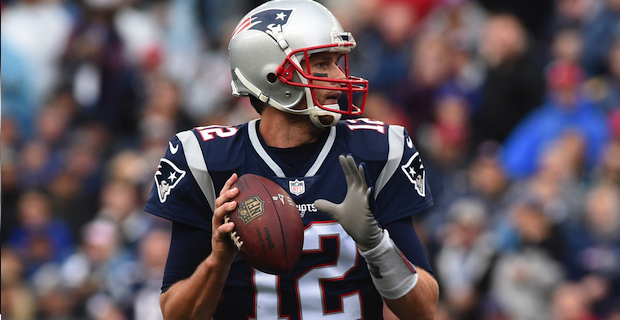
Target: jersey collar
(273, 164)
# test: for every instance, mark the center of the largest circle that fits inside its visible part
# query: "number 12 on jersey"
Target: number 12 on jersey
(309, 284)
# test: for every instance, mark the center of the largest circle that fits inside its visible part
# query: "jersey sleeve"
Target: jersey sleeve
(406, 239)
(401, 189)
(180, 191)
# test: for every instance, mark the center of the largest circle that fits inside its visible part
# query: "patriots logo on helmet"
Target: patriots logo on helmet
(268, 21)
(414, 170)
(166, 178)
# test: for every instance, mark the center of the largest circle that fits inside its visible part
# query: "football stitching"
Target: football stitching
(234, 236)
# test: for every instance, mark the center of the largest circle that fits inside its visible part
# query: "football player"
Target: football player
(356, 183)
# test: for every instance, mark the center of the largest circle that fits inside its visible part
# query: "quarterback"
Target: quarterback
(357, 183)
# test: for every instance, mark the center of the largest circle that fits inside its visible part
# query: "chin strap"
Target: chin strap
(316, 114)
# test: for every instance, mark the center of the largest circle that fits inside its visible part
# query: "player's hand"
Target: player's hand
(354, 212)
(223, 248)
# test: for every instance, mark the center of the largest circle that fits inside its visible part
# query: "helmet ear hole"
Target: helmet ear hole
(272, 78)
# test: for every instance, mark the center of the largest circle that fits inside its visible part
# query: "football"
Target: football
(268, 230)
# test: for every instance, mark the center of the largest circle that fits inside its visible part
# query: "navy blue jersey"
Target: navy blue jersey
(331, 279)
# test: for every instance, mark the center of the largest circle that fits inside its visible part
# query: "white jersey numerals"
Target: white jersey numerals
(366, 124)
(207, 133)
(267, 306)
(310, 284)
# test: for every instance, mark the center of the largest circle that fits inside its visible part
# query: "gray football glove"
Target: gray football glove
(354, 212)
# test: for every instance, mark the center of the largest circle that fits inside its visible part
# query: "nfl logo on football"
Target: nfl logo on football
(297, 187)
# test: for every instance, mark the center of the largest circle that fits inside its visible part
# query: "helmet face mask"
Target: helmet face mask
(350, 85)
(267, 50)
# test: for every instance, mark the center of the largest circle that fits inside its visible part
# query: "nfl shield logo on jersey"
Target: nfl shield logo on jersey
(297, 187)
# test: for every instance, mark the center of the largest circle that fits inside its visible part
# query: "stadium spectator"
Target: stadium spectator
(571, 302)
(38, 31)
(513, 84)
(40, 237)
(153, 251)
(595, 237)
(429, 69)
(19, 104)
(605, 89)
(523, 279)
(120, 204)
(101, 268)
(466, 259)
(599, 34)
(95, 66)
(18, 301)
(610, 167)
(567, 110)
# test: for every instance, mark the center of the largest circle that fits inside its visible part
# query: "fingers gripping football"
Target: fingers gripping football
(227, 194)
(354, 212)
(224, 204)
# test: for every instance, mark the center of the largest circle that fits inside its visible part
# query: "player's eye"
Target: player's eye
(320, 65)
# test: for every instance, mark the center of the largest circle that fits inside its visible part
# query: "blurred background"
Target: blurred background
(514, 105)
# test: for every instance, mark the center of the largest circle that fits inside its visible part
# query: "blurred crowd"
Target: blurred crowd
(514, 105)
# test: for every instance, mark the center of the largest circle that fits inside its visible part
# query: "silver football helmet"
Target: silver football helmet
(268, 46)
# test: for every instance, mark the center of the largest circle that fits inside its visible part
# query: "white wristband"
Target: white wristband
(392, 274)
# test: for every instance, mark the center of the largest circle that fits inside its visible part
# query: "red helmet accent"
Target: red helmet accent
(349, 85)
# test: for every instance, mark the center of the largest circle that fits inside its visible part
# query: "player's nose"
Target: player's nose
(338, 74)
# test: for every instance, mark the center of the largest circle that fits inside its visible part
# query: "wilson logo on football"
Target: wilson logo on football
(250, 209)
